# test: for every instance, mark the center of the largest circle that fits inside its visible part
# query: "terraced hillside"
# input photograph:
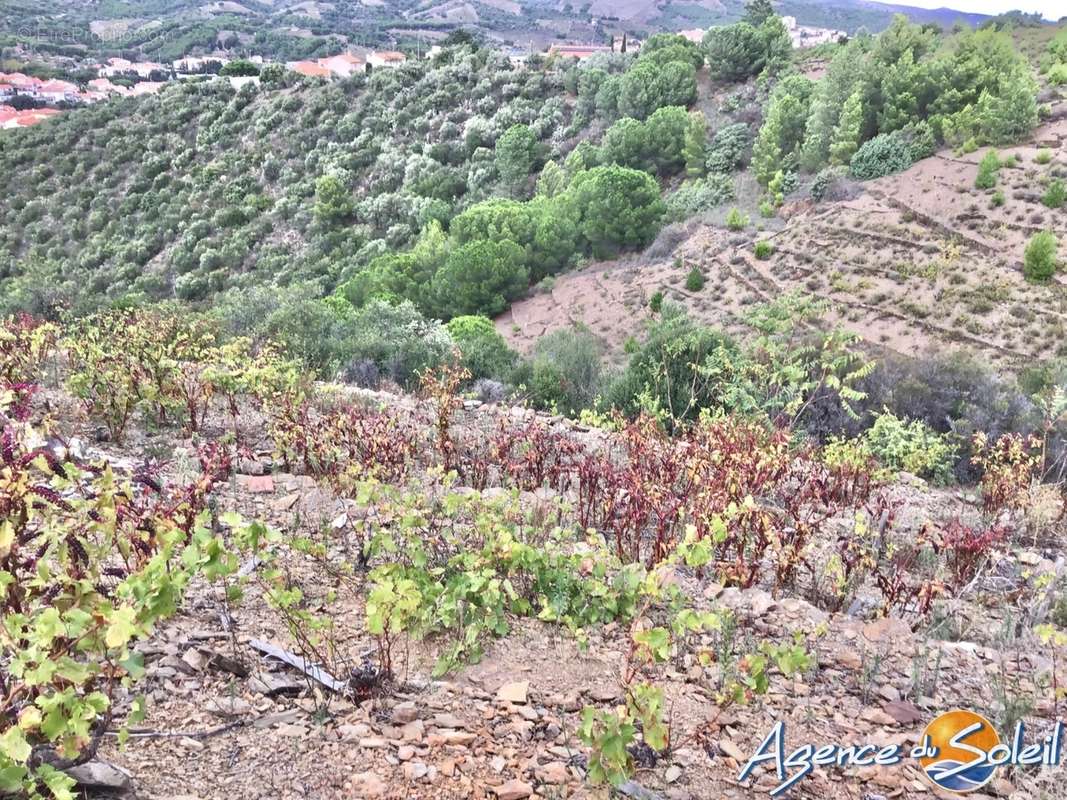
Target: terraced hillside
(914, 261)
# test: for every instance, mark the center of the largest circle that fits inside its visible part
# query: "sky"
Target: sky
(1051, 9)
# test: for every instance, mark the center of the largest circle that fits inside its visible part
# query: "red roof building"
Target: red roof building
(343, 65)
(24, 119)
(309, 68)
(579, 51)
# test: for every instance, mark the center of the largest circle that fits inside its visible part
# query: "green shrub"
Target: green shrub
(764, 249)
(1039, 260)
(681, 368)
(1043, 156)
(781, 186)
(736, 221)
(694, 281)
(825, 181)
(1057, 75)
(1056, 194)
(922, 143)
(655, 302)
(997, 200)
(987, 171)
(694, 197)
(564, 373)
(310, 329)
(767, 209)
(883, 155)
(726, 152)
(395, 340)
(911, 446)
(484, 352)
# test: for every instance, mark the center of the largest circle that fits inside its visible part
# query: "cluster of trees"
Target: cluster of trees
(452, 185)
(602, 199)
(888, 100)
(240, 67)
(614, 85)
(389, 185)
(664, 74)
(495, 249)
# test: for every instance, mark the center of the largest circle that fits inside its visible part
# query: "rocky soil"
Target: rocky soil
(227, 721)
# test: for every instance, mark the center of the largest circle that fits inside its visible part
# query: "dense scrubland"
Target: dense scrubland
(207, 289)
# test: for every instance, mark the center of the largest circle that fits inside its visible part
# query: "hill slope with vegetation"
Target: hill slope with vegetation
(282, 511)
(215, 188)
(345, 219)
(203, 188)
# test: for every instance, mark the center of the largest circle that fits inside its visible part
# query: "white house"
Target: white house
(344, 64)
(56, 91)
(103, 85)
(387, 59)
(120, 66)
(807, 36)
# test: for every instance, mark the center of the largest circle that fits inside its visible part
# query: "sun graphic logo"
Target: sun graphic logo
(959, 744)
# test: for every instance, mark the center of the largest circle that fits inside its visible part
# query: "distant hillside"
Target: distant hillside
(289, 29)
(168, 29)
(841, 14)
(942, 16)
(845, 15)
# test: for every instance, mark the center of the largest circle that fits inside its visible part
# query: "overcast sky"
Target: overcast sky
(1052, 9)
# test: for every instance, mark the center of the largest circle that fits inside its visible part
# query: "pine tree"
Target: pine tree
(696, 144)
(782, 133)
(553, 180)
(845, 76)
(758, 11)
(515, 154)
(846, 137)
(767, 152)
